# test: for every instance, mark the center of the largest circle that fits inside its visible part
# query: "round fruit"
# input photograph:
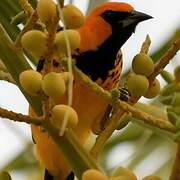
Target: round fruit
(53, 85)
(152, 178)
(60, 42)
(93, 174)
(177, 73)
(5, 176)
(46, 10)
(125, 173)
(153, 90)
(66, 76)
(122, 178)
(59, 112)
(137, 85)
(31, 81)
(35, 42)
(73, 17)
(142, 64)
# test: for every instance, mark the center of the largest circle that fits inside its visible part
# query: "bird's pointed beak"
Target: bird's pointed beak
(135, 17)
(139, 16)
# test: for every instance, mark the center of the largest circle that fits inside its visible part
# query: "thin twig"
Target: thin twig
(146, 44)
(149, 119)
(6, 77)
(26, 6)
(52, 29)
(165, 59)
(4, 113)
(69, 57)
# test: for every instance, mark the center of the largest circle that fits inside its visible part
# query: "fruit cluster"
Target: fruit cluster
(35, 41)
(137, 82)
(120, 173)
(52, 84)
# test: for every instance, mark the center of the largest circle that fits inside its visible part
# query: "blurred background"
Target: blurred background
(137, 148)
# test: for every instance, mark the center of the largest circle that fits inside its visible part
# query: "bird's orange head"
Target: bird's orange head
(106, 29)
(111, 6)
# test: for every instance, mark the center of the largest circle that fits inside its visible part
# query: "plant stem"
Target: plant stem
(6, 77)
(26, 6)
(69, 65)
(175, 174)
(19, 117)
(164, 60)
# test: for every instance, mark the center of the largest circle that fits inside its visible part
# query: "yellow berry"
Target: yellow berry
(151, 177)
(66, 76)
(31, 81)
(5, 175)
(93, 174)
(58, 114)
(53, 85)
(153, 90)
(60, 42)
(123, 177)
(177, 73)
(35, 42)
(73, 17)
(143, 64)
(124, 174)
(137, 85)
(46, 10)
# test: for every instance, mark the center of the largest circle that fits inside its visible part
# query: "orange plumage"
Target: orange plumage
(102, 36)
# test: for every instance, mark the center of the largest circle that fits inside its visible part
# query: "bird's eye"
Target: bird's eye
(114, 16)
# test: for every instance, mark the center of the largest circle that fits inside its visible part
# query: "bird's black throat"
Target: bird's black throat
(96, 64)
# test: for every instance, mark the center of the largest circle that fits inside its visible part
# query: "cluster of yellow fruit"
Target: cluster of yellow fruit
(137, 83)
(119, 174)
(35, 41)
(53, 85)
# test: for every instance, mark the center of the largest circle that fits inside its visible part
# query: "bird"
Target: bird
(107, 27)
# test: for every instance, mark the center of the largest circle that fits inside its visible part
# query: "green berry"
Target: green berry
(35, 42)
(73, 17)
(151, 177)
(143, 64)
(58, 114)
(137, 85)
(60, 42)
(93, 174)
(177, 73)
(5, 176)
(53, 85)
(31, 81)
(153, 90)
(46, 10)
